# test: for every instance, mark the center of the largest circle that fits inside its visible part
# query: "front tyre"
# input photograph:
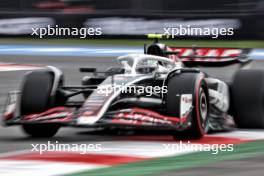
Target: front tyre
(36, 98)
(194, 84)
(41, 130)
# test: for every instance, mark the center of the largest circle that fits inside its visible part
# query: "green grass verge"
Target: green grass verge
(120, 42)
(157, 166)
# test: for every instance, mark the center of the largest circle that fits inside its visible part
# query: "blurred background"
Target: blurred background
(133, 18)
(124, 24)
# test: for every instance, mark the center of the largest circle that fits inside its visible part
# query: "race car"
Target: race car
(162, 89)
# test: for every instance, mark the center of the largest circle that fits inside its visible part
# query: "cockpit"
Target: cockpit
(146, 64)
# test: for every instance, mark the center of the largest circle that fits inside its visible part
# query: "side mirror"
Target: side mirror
(87, 70)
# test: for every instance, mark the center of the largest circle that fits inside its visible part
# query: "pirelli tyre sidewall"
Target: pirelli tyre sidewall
(189, 83)
(35, 98)
(247, 97)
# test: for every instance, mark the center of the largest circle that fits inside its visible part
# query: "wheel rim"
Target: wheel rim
(203, 107)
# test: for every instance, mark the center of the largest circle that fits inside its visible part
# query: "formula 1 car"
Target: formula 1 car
(162, 89)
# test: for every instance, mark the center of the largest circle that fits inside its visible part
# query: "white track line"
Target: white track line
(42, 168)
(244, 134)
(139, 149)
(17, 68)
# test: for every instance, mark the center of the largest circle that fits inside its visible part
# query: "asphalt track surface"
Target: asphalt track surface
(12, 139)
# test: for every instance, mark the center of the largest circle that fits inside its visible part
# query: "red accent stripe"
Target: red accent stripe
(50, 112)
(76, 158)
(157, 115)
(145, 113)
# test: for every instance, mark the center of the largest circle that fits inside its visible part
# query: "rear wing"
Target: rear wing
(198, 55)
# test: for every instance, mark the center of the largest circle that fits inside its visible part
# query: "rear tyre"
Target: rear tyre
(189, 83)
(247, 98)
(35, 98)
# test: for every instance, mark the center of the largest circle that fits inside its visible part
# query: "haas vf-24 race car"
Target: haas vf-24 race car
(162, 89)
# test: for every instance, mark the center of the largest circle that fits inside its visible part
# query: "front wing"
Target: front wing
(66, 116)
